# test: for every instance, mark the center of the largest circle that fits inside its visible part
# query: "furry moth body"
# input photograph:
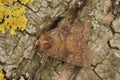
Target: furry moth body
(69, 44)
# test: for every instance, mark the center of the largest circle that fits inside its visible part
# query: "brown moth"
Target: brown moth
(69, 44)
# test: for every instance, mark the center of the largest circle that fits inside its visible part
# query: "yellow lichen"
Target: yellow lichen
(0, 1)
(2, 76)
(1, 16)
(26, 1)
(12, 16)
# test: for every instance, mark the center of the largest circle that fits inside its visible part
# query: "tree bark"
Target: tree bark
(69, 72)
(18, 55)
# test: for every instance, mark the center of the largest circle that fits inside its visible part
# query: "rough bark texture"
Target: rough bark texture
(69, 72)
(19, 58)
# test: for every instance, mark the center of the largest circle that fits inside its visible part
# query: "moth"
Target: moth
(69, 44)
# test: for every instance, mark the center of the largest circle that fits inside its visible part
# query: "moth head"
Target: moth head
(44, 43)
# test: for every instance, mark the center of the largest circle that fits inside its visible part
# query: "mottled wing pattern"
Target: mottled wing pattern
(69, 44)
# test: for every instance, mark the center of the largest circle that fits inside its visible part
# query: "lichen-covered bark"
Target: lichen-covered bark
(18, 55)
